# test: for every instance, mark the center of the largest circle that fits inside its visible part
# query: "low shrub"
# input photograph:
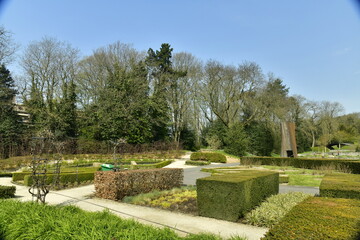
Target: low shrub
(5, 174)
(274, 209)
(65, 178)
(230, 196)
(212, 157)
(117, 185)
(319, 218)
(28, 220)
(20, 176)
(340, 185)
(7, 191)
(309, 163)
(197, 163)
(283, 179)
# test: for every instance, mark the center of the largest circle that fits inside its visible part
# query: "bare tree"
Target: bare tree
(48, 65)
(183, 93)
(95, 69)
(228, 90)
(7, 46)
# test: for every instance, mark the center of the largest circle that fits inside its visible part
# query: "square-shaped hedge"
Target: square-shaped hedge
(319, 218)
(208, 156)
(340, 185)
(7, 191)
(230, 196)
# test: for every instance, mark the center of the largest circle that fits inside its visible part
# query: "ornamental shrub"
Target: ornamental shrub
(340, 185)
(230, 196)
(274, 209)
(65, 178)
(207, 156)
(7, 191)
(117, 185)
(197, 163)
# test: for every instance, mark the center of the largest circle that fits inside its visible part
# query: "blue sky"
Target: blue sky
(314, 46)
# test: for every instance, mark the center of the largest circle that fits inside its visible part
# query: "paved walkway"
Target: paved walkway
(181, 223)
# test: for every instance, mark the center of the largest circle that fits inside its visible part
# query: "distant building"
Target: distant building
(21, 112)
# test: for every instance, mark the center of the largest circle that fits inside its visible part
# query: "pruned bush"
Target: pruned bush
(274, 209)
(319, 218)
(20, 176)
(64, 178)
(283, 179)
(7, 191)
(343, 165)
(340, 185)
(230, 196)
(5, 174)
(197, 163)
(211, 157)
(117, 185)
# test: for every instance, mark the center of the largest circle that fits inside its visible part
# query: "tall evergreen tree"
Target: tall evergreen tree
(9, 121)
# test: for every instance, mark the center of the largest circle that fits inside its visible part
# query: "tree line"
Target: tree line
(140, 97)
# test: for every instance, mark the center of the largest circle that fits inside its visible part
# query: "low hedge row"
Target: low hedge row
(319, 218)
(283, 179)
(230, 196)
(309, 163)
(150, 166)
(117, 185)
(7, 191)
(340, 185)
(6, 174)
(65, 178)
(212, 157)
(20, 176)
(197, 163)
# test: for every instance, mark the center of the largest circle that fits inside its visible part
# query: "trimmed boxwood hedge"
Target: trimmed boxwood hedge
(212, 157)
(283, 179)
(319, 218)
(230, 196)
(20, 176)
(197, 163)
(309, 163)
(340, 185)
(5, 174)
(7, 191)
(65, 178)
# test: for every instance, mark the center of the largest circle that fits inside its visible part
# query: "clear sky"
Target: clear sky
(313, 45)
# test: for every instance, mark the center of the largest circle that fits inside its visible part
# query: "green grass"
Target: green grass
(29, 220)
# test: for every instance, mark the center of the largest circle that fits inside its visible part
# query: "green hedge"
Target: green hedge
(20, 176)
(65, 178)
(283, 179)
(340, 185)
(309, 163)
(197, 163)
(5, 174)
(7, 191)
(212, 157)
(319, 218)
(230, 196)
(117, 185)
